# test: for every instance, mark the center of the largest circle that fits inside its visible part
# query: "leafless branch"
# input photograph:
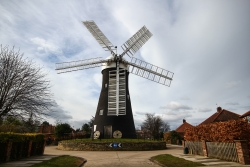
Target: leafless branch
(153, 125)
(24, 89)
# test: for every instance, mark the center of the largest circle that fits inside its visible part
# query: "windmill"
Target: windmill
(114, 111)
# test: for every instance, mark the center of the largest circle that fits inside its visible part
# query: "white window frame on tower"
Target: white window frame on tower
(101, 112)
(117, 99)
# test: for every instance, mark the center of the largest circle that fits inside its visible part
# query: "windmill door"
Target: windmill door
(107, 131)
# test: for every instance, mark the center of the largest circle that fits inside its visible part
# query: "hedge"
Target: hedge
(219, 131)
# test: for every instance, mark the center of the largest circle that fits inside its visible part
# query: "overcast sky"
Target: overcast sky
(205, 43)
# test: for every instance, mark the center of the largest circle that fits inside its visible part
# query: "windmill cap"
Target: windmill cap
(113, 63)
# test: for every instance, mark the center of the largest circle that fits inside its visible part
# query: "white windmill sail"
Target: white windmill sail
(150, 71)
(117, 82)
(79, 65)
(107, 45)
(133, 44)
(99, 36)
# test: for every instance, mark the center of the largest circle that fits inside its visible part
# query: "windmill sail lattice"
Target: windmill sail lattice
(114, 111)
(79, 65)
(99, 36)
(150, 71)
(133, 44)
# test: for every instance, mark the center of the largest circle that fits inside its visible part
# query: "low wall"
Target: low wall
(128, 146)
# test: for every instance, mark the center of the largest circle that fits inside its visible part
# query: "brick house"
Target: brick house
(50, 129)
(182, 127)
(246, 116)
(221, 115)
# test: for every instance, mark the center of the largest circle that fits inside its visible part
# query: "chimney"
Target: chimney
(219, 109)
(184, 120)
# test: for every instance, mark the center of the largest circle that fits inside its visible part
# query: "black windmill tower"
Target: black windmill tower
(114, 117)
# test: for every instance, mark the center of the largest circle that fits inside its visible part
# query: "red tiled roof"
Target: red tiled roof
(182, 127)
(220, 116)
(246, 114)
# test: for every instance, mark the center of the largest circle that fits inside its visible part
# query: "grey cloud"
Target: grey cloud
(140, 113)
(175, 119)
(246, 107)
(176, 106)
(185, 98)
(204, 110)
(232, 103)
(173, 115)
(232, 84)
(211, 40)
(77, 124)
(59, 114)
(177, 122)
(138, 123)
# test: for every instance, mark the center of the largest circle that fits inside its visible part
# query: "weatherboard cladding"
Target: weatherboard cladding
(112, 98)
(123, 123)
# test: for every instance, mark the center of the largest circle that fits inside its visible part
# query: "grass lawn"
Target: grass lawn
(172, 161)
(61, 161)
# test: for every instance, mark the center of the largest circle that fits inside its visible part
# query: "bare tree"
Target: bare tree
(153, 125)
(24, 90)
(165, 127)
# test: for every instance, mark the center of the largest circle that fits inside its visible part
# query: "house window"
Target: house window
(101, 112)
(248, 118)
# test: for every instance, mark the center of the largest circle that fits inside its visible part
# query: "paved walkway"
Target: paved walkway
(28, 161)
(211, 162)
(119, 158)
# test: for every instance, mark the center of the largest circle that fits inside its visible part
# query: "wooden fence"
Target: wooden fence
(225, 151)
(194, 147)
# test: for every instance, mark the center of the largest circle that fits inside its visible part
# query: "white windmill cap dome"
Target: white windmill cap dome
(113, 64)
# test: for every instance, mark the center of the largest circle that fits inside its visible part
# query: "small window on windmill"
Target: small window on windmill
(101, 112)
(128, 97)
(106, 85)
